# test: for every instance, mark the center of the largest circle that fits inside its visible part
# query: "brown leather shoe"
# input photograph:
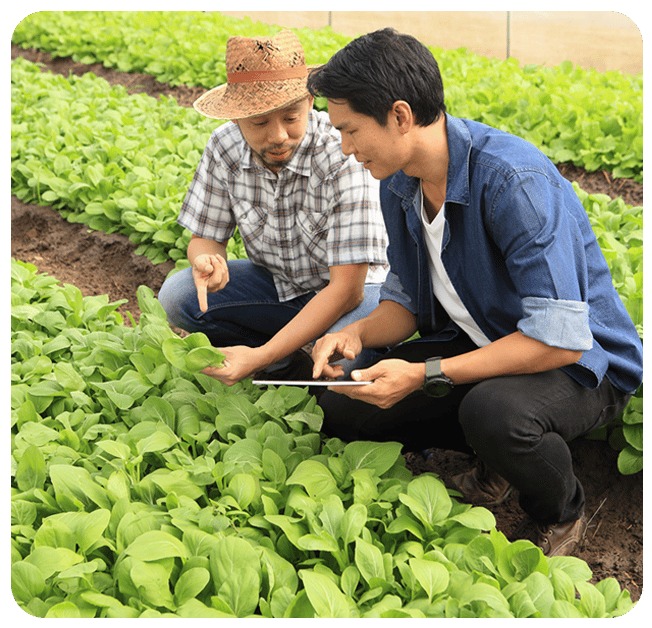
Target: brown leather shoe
(481, 486)
(560, 539)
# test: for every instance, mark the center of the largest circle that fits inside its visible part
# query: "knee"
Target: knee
(367, 304)
(490, 417)
(175, 293)
(345, 418)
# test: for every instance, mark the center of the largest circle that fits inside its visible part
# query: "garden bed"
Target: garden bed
(100, 263)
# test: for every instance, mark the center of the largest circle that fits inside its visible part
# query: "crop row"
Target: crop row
(619, 231)
(143, 488)
(123, 163)
(594, 119)
(113, 161)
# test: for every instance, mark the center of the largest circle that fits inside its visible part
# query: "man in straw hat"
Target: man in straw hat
(308, 216)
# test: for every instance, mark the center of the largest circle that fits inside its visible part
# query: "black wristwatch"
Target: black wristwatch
(436, 384)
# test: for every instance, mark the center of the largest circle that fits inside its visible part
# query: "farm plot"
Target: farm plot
(606, 520)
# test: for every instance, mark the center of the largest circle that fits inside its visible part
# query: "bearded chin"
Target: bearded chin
(266, 159)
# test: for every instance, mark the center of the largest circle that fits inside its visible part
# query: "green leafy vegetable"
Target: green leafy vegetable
(182, 497)
(142, 487)
(591, 118)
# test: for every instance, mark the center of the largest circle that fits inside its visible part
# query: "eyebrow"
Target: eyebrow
(263, 117)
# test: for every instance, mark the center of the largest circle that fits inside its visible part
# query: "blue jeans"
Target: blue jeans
(247, 310)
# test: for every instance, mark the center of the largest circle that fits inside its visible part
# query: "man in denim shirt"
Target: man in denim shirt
(523, 342)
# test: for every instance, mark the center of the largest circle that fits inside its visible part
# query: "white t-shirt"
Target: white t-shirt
(441, 284)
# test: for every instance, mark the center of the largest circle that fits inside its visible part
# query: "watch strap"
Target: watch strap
(433, 367)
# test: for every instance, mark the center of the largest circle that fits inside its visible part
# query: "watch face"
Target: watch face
(437, 388)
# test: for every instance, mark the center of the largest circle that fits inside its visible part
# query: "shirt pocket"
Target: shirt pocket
(250, 219)
(314, 233)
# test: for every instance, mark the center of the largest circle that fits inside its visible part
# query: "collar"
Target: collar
(457, 183)
(459, 155)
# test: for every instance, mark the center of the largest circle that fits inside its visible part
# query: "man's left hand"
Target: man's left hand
(239, 363)
(393, 380)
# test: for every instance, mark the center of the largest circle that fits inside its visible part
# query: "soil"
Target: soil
(100, 263)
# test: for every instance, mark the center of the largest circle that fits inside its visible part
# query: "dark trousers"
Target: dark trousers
(517, 425)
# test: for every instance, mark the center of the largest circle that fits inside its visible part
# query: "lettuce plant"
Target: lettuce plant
(143, 488)
(115, 162)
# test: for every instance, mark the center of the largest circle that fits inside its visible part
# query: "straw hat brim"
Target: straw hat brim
(245, 100)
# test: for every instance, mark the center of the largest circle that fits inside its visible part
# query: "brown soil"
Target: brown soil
(100, 263)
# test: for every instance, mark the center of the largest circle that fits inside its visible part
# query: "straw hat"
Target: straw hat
(263, 74)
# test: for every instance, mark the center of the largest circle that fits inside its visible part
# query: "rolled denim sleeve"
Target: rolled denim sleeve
(392, 290)
(542, 231)
(557, 323)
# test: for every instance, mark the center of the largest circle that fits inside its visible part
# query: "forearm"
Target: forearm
(515, 354)
(394, 379)
(314, 319)
(199, 246)
(389, 324)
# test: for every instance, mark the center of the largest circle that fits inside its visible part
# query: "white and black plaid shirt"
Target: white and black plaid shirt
(321, 210)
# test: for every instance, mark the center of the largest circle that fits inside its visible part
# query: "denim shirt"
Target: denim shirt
(519, 250)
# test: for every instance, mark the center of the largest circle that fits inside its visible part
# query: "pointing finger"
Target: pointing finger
(320, 361)
(202, 296)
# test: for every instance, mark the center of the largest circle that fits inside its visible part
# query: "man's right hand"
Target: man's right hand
(210, 273)
(334, 347)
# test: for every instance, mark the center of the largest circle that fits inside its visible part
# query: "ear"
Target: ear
(402, 116)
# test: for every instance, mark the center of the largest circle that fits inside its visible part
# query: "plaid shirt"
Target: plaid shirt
(321, 210)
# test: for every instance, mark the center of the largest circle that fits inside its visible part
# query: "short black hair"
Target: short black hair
(375, 70)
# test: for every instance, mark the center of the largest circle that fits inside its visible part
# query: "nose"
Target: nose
(277, 133)
(347, 145)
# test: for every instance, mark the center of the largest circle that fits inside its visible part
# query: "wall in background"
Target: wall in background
(604, 40)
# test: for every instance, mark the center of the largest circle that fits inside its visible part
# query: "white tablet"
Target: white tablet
(307, 382)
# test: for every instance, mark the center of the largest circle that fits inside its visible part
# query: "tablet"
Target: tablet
(307, 382)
